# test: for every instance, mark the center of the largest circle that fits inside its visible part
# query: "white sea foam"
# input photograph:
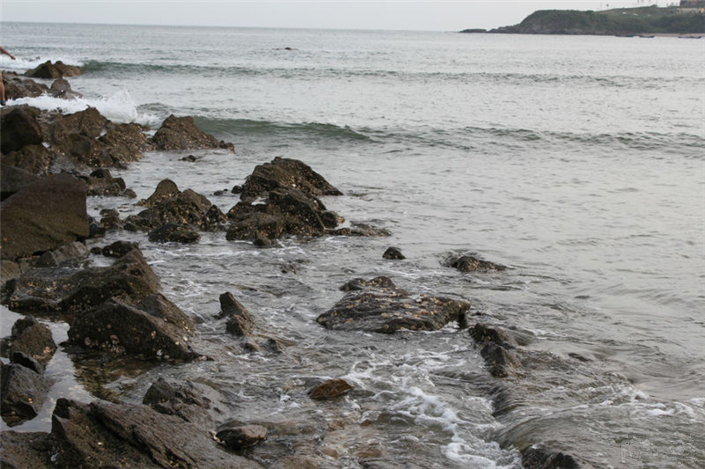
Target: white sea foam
(119, 107)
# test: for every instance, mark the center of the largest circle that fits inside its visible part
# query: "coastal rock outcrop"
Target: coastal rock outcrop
(43, 216)
(181, 133)
(388, 309)
(56, 69)
(17, 86)
(19, 127)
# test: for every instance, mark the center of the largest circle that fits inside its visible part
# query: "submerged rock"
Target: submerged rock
(330, 389)
(500, 361)
(380, 309)
(469, 263)
(393, 253)
(181, 133)
(536, 457)
(43, 216)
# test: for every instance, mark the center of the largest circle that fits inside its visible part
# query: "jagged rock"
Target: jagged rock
(110, 218)
(285, 173)
(17, 86)
(482, 333)
(500, 361)
(119, 248)
(23, 391)
(19, 127)
(100, 434)
(66, 294)
(32, 338)
(357, 284)
(124, 143)
(240, 438)
(240, 322)
(470, 264)
(256, 225)
(13, 179)
(27, 361)
(53, 70)
(330, 389)
(152, 328)
(393, 253)
(43, 216)
(380, 309)
(101, 183)
(181, 133)
(68, 253)
(35, 159)
(61, 88)
(169, 205)
(214, 220)
(174, 233)
(23, 450)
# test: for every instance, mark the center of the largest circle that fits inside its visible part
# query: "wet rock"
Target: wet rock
(61, 88)
(169, 205)
(357, 284)
(101, 183)
(500, 361)
(361, 230)
(330, 389)
(240, 438)
(256, 226)
(110, 218)
(44, 216)
(53, 70)
(185, 400)
(536, 457)
(13, 179)
(240, 322)
(19, 127)
(119, 248)
(33, 339)
(100, 434)
(393, 253)
(35, 159)
(67, 293)
(8, 271)
(22, 450)
(482, 333)
(387, 310)
(71, 253)
(214, 220)
(471, 264)
(124, 143)
(174, 233)
(26, 361)
(17, 86)
(190, 159)
(181, 133)
(288, 174)
(23, 391)
(155, 328)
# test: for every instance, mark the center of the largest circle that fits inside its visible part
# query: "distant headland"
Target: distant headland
(688, 19)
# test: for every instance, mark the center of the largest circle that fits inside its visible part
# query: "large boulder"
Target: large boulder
(170, 205)
(181, 133)
(17, 86)
(43, 216)
(154, 328)
(33, 339)
(23, 391)
(53, 70)
(61, 88)
(100, 434)
(123, 143)
(13, 179)
(19, 127)
(387, 310)
(285, 173)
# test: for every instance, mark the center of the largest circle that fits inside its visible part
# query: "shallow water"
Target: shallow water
(575, 161)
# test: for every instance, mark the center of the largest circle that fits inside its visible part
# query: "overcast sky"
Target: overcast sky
(422, 15)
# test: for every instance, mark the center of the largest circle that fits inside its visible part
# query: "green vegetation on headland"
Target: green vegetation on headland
(619, 22)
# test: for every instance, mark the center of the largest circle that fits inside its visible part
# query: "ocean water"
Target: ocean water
(578, 162)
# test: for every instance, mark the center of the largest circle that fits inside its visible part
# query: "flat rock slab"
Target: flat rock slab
(388, 310)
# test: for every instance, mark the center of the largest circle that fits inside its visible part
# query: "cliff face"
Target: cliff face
(648, 20)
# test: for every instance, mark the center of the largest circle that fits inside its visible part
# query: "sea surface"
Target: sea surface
(576, 161)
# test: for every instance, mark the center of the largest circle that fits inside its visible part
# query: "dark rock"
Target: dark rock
(27, 361)
(32, 338)
(119, 248)
(24, 450)
(153, 328)
(471, 264)
(500, 361)
(388, 310)
(181, 133)
(102, 434)
(23, 391)
(331, 219)
(124, 143)
(185, 400)
(17, 86)
(393, 253)
(256, 225)
(43, 216)
(262, 242)
(536, 457)
(35, 159)
(482, 333)
(360, 229)
(240, 322)
(214, 220)
(8, 271)
(236, 190)
(19, 127)
(61, 88)
(166, 190)
(71, 253)
(129, 193)
(13, 179)
(285, 173)
(330, 389)
(174, 233)
(102, 183)
(240, 438)
(190, 159)
(169, 205)
(53, 70)
(110, 218)
(383, 283)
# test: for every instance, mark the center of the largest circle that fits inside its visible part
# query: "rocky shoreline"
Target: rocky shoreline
(51, 164)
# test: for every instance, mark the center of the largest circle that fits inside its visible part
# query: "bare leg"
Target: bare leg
(2, 90)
